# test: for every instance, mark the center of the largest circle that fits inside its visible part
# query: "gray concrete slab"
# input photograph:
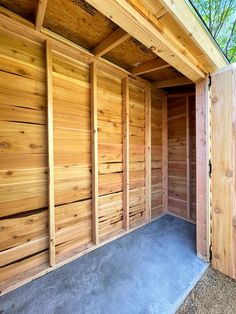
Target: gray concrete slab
(150, 270)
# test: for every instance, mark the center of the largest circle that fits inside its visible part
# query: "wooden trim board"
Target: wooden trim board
(94, 143)
(148, 161)
(125, 87)
(164, 154)
(188, 158)
(50, 155)
(202, 181)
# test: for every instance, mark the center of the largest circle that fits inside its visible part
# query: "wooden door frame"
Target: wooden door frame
(202, 170)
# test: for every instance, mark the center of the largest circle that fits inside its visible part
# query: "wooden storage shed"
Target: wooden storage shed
(112, 115)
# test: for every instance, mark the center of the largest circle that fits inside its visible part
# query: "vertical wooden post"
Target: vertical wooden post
(202, 179)
(188, 159)
(148, 173)
(94, 142)
(164, 155)
(125, 88)
(50, 154)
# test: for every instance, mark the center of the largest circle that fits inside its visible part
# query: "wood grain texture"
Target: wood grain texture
(202, 187)
(181, 160)
(148, 154)
(51, 199)
(23, 155)
(125, 86)
(110, 159)
(223, 171)
(156, 154)
(25, 146)
(137, 154)
(94, 130)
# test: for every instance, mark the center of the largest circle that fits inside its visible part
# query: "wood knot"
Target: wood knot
(22, 72)
(217, 210)
(33, 146)
(9, 173)
(229, 173)
(214, 100)
(5, 145)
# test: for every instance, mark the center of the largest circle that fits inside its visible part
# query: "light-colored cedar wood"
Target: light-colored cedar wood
(173, 82)
(223, 119)
(164, 155)
(202, 187)
(136, 154)
(182, 12)
(23, 178)
(126, 170)
(51, 199)
(171, 24)
(192, 134)
(42, 5)
(19, 252)
(128, 18)
(113, 40)
(27, 178)
(156, 153)
(72, 150)
(188, 158)
(110, 141)
(59, 44)
(94, 142)
(153, 65)
(148, 156)
(177, 174)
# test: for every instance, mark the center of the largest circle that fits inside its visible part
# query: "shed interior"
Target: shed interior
(66, 189)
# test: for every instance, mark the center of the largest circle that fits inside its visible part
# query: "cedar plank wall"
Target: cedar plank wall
(23, 161)
(192, 124)
(156, 155)
(137, 154)
(110, 154)
(177, 156)
(72, 155)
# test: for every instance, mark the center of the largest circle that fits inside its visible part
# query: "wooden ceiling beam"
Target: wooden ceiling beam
(179, 81)
(184, 15)
(42, 5)
(151, 66)
(116, 38)
(128, 18)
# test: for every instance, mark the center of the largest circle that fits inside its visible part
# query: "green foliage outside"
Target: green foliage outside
(220, 17)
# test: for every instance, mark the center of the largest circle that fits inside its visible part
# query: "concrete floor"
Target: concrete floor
(151, 270)
(215, 293)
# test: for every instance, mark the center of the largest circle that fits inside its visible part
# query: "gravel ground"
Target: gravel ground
(214, 293)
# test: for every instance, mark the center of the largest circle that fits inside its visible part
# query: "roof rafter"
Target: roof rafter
(128, 18)
(184, 15)
(114, 39)
(179, 81)
(42, 5)
(151, 66)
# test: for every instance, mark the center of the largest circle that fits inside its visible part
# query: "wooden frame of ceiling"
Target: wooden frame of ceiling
(132, 21)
